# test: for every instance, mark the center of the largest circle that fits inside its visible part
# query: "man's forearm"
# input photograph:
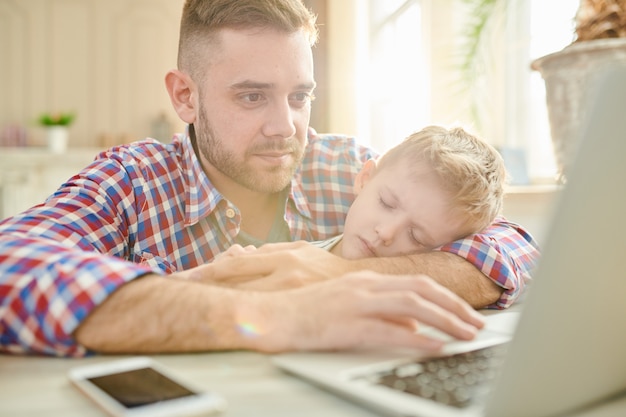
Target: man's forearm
(450, 270)
(159, 314)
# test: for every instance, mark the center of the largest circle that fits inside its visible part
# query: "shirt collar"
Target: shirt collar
(201, 196)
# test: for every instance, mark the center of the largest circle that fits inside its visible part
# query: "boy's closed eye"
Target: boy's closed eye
(384, 203)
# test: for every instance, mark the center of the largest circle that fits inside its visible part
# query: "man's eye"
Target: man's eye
(301, 98)
(252, 97)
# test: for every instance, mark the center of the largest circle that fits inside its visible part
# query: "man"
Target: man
(106, 263)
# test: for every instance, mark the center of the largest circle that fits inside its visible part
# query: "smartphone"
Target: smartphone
(141, 387)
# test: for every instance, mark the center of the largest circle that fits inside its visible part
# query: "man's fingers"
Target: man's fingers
(407, 304)
(416, 297)
(378, 333)
(281, 246)
(436, 294)
(447, 300)
(248, 264)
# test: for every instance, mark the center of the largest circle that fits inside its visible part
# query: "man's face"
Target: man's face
(254, 109)
(398, 212)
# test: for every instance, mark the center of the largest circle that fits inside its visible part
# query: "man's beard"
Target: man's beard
(271, 180)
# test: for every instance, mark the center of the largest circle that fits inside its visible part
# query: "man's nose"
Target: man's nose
(280, 120)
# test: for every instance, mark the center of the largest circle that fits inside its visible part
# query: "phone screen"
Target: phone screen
(140, 387)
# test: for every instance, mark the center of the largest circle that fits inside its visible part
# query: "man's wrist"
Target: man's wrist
(261, 321)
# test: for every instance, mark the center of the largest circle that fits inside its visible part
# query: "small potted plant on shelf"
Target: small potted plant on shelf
(56, 125)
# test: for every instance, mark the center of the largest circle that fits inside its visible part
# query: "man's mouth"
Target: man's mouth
(274, 157)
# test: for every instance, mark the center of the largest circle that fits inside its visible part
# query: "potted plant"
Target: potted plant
(600, 42)
(56, 125)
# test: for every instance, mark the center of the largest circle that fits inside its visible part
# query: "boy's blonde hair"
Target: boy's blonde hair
(469, 168)
(201, 19)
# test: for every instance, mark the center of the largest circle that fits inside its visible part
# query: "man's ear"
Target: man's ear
(365, 175)
(183, 95)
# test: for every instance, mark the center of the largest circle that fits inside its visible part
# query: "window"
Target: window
(399, 77)
(407, 38)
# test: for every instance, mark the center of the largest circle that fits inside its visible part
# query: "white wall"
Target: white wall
(103, 59)
(347, 33)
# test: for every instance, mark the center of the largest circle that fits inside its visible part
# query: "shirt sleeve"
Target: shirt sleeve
(505, 252)
(60, 259)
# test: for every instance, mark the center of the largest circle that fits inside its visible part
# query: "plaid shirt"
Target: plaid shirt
(149, 207)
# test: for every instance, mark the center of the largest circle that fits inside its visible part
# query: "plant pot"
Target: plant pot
(57, 137)
(570, 75)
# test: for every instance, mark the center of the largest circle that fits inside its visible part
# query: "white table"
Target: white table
(253, 387)
(38, 386)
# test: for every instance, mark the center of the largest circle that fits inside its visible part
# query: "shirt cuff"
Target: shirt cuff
(506, 253)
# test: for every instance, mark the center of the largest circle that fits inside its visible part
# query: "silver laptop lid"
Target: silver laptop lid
(574, 353)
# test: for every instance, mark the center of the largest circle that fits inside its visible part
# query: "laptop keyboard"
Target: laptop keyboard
(452, 380)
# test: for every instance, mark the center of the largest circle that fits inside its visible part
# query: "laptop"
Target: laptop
(564, 350)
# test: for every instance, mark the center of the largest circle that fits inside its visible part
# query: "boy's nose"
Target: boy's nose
(386, 233)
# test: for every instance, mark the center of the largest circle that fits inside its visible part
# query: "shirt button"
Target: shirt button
(230, 213)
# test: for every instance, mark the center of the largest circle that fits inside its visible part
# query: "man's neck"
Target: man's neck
(258, 209)
(258, 214)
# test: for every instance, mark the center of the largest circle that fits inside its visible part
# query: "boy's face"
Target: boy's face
(253, 108)
(397, 212)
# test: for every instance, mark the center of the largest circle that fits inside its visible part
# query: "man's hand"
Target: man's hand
(273, 266)
(361, 309)
(234, 250)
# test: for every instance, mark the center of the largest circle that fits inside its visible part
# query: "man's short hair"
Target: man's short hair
(201, 19)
